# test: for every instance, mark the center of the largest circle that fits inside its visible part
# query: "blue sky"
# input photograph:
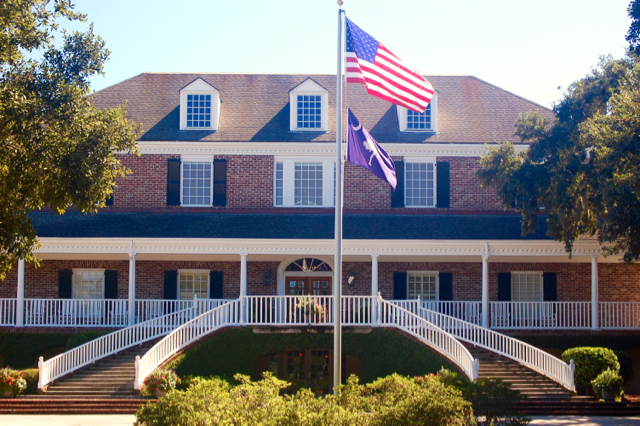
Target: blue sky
(527, 47)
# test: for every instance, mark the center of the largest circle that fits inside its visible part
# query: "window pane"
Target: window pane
(196, 183)
(193, 283)
(422, 284)
(419, 185)
(88, 284)
(309, 112)
(419, 121)
(199, 111)
(308, 184)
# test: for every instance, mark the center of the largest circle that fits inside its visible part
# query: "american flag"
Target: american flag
(383, 73)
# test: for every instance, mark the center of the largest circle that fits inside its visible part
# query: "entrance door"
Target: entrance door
(315, 286)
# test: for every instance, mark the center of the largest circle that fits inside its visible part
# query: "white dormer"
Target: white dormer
(199, 106)
(426, 122)
(309, 106)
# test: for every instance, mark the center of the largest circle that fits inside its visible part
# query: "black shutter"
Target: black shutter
(550, 284)
(64, 283)
(173, 182)
(446, 286)
(219, 182)
(109, 200)
(400, 285)
(170, 285)
(504, 287)
(110, 284)
(442, 182)
(397, 197)
(216, 282)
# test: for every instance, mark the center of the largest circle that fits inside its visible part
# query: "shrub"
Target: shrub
(626, 365)
(160, 380)
(590, 362)
(31, 377)
(11, 380)
(608, 382)
(83, 337)
(492, 399)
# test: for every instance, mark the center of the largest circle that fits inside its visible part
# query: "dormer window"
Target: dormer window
(309, 107)
(199, 106)
(411, 121)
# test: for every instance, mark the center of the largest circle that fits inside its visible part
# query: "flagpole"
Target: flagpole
(337, 280)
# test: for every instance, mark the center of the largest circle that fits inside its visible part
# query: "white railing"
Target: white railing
(75, 312)
(287, 310)
(110, 344)
(359, 310)
(620, 315)
(390, 314)
(537, 315)
(147, 309)
(506, 346)
(8, 311)
(470, 311)
(215, 319)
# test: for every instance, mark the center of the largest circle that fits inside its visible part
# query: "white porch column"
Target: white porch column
(243, 274)
(374, 275)
(485, 290)
(20, 295)
(595, 323)
(132, 289)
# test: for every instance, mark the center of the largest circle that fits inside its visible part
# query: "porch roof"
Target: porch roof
(282, 226)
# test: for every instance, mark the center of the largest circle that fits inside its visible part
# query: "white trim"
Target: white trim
(73, 280)
(308, 88)
(311, 149)
(200, 87)
(192, 270)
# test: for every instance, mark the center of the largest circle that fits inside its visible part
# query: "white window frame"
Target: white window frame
(79, 270)
(436, 273)
(309, 88)
(200, 271)
(404, 126)
(288, 180)
(540, 273)
(195, 159)
(422, 160)
(200, 87)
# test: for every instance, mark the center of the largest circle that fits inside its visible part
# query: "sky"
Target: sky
(527, 47)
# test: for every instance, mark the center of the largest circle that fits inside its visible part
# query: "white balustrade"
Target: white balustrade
(393, 315)
(288, 310)
(411, 305)
(147, 309)
(470, 311)
(359, 310)
(75, 312)
(537, 315)
(8, 311)
(506, 346)
(224, 315)
(620, 315)
(109, 344)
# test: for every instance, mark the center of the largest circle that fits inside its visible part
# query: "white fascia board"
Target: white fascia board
(199, 246)
(306, 148)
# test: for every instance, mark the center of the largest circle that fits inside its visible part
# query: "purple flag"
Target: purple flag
(365, 152)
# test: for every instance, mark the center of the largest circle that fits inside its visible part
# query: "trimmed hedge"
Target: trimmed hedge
(31, 376)
(235, 351)
(590, 362)
(21, 350)
(83, 337)
(621, 343)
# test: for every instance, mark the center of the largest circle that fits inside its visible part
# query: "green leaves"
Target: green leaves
(56, 148)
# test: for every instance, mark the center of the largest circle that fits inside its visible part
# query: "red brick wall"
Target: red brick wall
(466, 193)
(363, 190)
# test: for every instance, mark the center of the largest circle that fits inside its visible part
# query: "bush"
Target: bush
(626, 365)
(492, 399)
(31, 377)
(590, 362)
(12, 380)
(391, 400)
(21, 350)
(160, 380)
(608, 382)
(83, 337)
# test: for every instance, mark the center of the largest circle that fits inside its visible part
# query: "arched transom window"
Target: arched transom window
(308, 264)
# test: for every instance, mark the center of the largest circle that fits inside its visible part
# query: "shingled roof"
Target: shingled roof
(272, 226)
(255, 108)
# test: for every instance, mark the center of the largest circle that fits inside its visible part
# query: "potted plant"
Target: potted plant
(608, 385)
(313, 311)
(11, 382)
(160, 382)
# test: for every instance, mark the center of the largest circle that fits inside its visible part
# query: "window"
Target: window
(199, 106)
(423, 285)
(420, 189)
(526, 286)
(88, 283)
(309, 107)
(411, 121)
(192, 283)
(304, 183)
(196, 183)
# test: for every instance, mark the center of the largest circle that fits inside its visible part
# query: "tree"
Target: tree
(56, 148)
(633, 34)
(583, 170)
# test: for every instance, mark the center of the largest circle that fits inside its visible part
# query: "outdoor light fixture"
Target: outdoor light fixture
(267, 278)
(351, 278)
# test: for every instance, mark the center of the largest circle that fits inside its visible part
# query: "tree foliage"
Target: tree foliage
(581, 170)
(56, 148)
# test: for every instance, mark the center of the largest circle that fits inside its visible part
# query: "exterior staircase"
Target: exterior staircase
(109, 377)
(41, 404)
(528, 382)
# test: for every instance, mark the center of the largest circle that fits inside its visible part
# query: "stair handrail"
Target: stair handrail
(517, 350)
(109, 344)
(393, 315)
(222, 316)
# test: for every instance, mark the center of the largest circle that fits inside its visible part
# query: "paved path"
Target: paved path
(128, 419)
